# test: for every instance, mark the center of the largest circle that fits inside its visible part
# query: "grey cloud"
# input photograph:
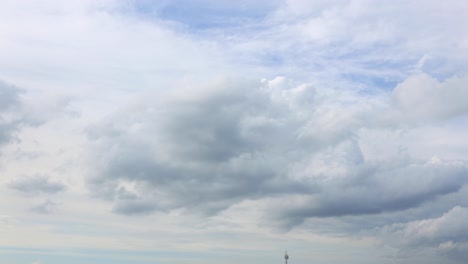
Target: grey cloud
(377, 189)
(204, 150)
(207, 189)
(388, 226)
(47, 207)
(36, 184)
(17, 111)
(9, 95)
(124, 194)
(6, 131)
(134, 207)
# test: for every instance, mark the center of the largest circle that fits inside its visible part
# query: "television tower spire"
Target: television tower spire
(286, 257)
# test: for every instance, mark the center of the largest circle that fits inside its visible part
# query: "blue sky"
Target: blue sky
(219, 131)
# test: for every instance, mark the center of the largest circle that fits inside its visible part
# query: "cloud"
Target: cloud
(437, 231)
(364, 138)
(47, 207)
(18, 110)
(9, 102)
(134, 207)
(364, 43)
(9, 96)
(378, 188)
(422, 98)
(36, 184)
(5, 219)
(204, 152)
(443, 235)
(274, 140)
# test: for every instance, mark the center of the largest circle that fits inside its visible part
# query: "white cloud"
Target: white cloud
(421, 98)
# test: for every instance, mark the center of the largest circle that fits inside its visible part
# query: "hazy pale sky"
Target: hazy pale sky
(210, 131)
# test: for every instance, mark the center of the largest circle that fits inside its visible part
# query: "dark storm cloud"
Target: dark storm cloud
(36, 184)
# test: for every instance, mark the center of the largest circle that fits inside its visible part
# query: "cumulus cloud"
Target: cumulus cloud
(203, 152)
(271, 140)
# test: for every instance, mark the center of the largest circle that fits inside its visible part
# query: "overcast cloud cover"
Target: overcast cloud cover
(223, 132)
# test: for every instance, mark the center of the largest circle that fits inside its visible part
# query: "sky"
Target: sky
(207, 131)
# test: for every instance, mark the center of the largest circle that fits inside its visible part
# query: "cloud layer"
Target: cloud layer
(340, 127)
